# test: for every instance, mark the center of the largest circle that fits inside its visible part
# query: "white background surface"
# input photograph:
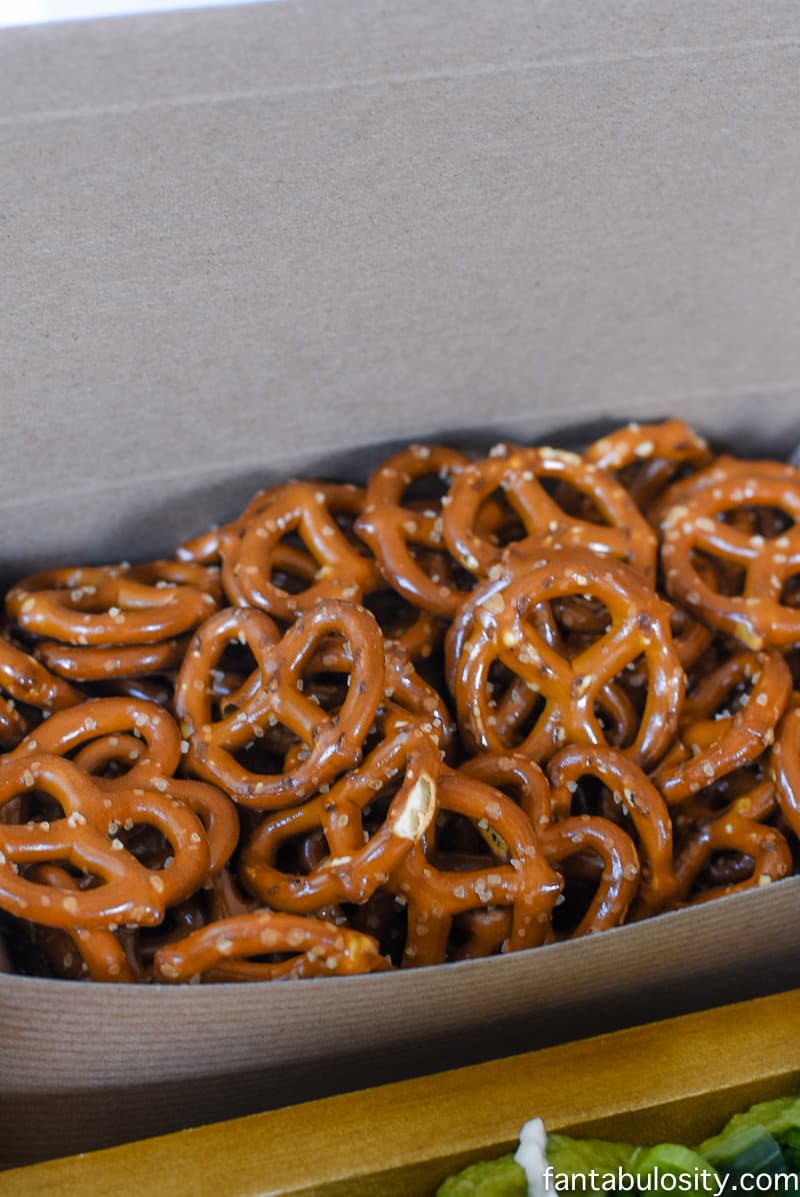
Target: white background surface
(36, 12)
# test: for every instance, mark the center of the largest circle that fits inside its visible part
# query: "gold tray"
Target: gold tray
(679, 1079)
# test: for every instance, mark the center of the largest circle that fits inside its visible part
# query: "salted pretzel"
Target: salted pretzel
(157, 753)
(711, 746)
(638, 799)
(78, 953)
(106, 661)
(126, 744)
(758, 616)
(333, 742)
(357, 862)
(520, 474)
(502, 630)
(397, 533)
(86, 836)
(561, 841)
(119, 605)
(768, 854)
(309, 511)
(518, 876)
(511, 771)
(23, 679)
(785, 768)
(646, 457)
(221, 951)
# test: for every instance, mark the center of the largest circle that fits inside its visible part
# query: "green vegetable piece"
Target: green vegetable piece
(655, 1162)
(777, 1116)
(789, 1143)
(492, 1178)
(566, 1155)
(753, 1149)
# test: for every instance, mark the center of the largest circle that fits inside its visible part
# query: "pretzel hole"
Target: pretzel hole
(790, 591)
(719, 573)
(723, 868)
(768, 522)
(385, 918)
(301, 854)
(514, 708)
(582, 874)
(425, 493)
(179, 921)
(498, 521)
(462, 843)
(146, 843)
(576, 503)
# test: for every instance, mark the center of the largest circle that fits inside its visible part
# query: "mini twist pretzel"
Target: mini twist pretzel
(119, 605)
(94, 954)
(310, 511)
(785, 768)
(513, 708)
(512, 771)
(145, 742)
(101, 719)
(759, 617)
(219, 951)
(731, 832)
(711, 748)
(25, 680)
(570, 837)
(502, 631)
(86, 837)
(519, 473)
(334, 742)
(638, 798)
(521, 879)
(107, 661)
(390, 529)
(649, 456)
(358, 863)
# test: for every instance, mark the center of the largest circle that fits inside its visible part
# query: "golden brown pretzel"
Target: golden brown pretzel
(220, 951)
(649, 455)
(519, 877)
(23, 679)
(785, 768)
(512, 771)
(502, 630)
(758, 616)
(117, 605)
(519, 473)
(562, 841)
(101, 719)
(638, 799)
(310, 511)
(709, 748)
(86, 836)
(95, 954)
(391, 529)
(356, 862)
(333, 742)
(106, 661)
(730, 832)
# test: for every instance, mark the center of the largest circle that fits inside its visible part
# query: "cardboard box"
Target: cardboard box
(677, 1080)
(238, 244)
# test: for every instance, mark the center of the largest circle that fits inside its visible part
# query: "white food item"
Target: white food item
(531, 1157)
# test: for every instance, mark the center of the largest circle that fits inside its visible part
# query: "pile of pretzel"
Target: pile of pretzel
(474, 707)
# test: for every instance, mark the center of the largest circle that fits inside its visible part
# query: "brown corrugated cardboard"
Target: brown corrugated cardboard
(236, 244)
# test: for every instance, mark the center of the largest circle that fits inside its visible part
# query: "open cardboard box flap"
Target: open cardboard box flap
(238, 243)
